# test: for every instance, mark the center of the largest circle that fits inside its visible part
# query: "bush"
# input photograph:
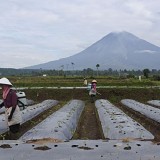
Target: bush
(130, 76)
(156, 77)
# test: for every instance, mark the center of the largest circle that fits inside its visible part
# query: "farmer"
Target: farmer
(93, 91)
(12, 111)
(85, 82)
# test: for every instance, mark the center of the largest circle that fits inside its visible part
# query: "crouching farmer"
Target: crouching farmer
(12, 112)
(93, 91)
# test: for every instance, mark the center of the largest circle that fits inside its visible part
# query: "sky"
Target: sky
(38, 31)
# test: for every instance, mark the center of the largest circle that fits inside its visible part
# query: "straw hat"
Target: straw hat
(94, 81)
(5, 81)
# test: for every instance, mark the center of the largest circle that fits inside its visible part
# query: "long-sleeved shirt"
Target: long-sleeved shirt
(11, 100)
(93, 86)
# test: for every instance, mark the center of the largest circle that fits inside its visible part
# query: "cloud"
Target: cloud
(38, 31)
(146, 51)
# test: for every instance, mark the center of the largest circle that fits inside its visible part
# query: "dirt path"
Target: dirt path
(89, 124)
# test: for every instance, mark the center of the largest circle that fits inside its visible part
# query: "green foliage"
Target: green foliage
(97, 66)
(146, 72)
(61, 72)
(156, 77)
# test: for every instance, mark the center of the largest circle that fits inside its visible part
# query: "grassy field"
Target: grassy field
(53, 81)
(113, 94)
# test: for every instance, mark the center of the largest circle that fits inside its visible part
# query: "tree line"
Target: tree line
(85, 72)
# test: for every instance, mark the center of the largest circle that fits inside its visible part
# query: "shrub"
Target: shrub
(156, 77)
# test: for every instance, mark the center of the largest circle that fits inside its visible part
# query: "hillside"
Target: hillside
(117, 50)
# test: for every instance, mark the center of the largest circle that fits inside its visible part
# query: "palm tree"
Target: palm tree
(67, 68)
(61, 69)
(72, 66)
(97, 66)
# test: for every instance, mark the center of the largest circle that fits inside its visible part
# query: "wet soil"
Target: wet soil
(44, 141)
(89, 125)
(42, 148)
(4, 146)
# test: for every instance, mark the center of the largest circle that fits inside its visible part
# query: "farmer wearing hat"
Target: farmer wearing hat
(85, 82)
(93, 91)
(12, 112)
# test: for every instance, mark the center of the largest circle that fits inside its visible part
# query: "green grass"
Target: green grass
(54, 81)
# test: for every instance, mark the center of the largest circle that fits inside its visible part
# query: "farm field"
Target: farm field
(73, 81)
(88, 139)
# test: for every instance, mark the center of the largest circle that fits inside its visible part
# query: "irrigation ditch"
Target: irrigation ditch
(89, 126)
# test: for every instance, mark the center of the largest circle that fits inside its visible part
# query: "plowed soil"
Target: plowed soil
(89, 126)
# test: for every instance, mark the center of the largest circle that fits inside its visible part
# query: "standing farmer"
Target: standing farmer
(12, 112)
(93, 90)
(85, 82)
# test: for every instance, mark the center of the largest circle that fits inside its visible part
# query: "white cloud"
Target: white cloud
(146, 51)
(38, 31)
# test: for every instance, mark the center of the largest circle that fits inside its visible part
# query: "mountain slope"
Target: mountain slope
(120, 50)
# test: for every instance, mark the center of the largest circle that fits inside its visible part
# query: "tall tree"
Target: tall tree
(97, 66)
(72, 67)
(146, 72)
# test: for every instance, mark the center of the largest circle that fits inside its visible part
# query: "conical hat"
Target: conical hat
(94, 81)
(5, 81)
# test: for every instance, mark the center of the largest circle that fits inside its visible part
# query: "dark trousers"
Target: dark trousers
(92, 98)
